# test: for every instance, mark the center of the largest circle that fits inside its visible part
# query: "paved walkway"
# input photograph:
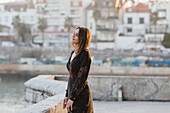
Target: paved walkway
(131, 107)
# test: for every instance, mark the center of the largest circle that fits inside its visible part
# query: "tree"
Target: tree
(23, 30)
(96, 16)
(166, 41)
(42, 26)
(154, 19)
(68, 25)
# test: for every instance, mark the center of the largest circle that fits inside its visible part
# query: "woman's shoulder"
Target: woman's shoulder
(86, 53)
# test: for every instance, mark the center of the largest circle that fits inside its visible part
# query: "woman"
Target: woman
(78, 98)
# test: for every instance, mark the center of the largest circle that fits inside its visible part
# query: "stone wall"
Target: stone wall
(132, 87)
(48, 91)
(43, 94)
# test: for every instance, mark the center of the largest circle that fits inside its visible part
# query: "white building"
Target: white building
(136, 20)
(162, 7)
(104, 30)
(138, 25)
(8, 11)
(56, 12)
(155, 35)
(131, 33)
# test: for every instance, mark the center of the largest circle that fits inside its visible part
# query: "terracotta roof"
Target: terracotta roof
(79, 4)
(139, 8)
(16, 6)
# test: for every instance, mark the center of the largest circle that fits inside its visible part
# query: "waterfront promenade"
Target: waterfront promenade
(131, 107)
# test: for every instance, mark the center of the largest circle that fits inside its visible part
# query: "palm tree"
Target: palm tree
(42, 26)
(96, 16)
(154, 19)
(23, 30)
(68, 25)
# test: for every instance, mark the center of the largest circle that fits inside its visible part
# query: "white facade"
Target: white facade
(28, 16)
(53, 39)
(156, 32)
(128, 42)
(135, 27)
(131, 33)
(154, 37)
(163, 10)
(77, 12)
(91, 22)
(59, 10)
(56, 12)
(105, 28)
(8, 12)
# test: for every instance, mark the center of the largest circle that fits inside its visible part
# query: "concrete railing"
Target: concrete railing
(21, 69)
(46, 92)
(44, 95)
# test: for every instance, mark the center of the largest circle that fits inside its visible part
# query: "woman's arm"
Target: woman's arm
(81, 78)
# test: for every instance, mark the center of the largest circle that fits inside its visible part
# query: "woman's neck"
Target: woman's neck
(76, 48)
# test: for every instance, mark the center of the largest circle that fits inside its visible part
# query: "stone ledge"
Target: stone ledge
(103, 88)
(49, 85)
(53, 103)
(43, 95)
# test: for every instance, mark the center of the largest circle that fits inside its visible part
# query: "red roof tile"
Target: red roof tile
(139, 8)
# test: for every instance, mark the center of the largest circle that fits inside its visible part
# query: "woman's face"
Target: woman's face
(75, 38)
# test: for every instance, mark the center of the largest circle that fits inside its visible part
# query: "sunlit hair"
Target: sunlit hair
(85, 38)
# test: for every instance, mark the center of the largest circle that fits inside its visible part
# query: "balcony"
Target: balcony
(74, 16)
(158, 29)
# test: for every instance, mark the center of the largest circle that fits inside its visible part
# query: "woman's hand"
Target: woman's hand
(70, 104)
(65, 102)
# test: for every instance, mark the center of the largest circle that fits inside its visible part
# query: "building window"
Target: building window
(130, 9)
(141, 20)
(6, 18)
(75, 4)
(129, 30)
(129, 20)
(107, 3)
(72, 12)
(162, 14)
